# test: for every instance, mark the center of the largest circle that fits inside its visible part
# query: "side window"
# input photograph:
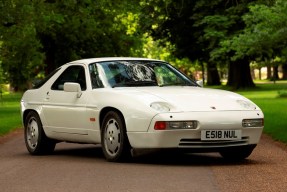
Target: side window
(74, 74)
(95, 79)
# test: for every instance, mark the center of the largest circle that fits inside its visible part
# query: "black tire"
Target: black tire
(237, 153)
(37, 142)
(114, 140)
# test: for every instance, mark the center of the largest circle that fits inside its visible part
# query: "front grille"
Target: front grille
(197, 143)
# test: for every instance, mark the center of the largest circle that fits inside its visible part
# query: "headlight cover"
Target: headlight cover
(246, 104)
(160, 106)
(253, 122)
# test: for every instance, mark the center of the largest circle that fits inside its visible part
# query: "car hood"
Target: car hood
(197, 99)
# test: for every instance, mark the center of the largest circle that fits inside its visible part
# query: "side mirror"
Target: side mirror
(200, 83)
(73, 87)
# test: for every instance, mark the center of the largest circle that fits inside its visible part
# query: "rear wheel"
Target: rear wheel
(237, 153)
(37, 142)
(115, 142)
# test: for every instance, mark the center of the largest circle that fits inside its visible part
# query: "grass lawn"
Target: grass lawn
(10, 112)
(265, 95)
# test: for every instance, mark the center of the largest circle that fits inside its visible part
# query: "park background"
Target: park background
(237, 45)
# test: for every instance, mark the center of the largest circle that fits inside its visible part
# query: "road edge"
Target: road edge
(6, 137)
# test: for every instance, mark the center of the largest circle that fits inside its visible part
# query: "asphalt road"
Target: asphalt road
(81, 168)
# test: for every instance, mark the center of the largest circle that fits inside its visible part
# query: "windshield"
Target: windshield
(140, 73)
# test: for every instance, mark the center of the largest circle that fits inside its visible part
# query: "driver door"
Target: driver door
(64, 112)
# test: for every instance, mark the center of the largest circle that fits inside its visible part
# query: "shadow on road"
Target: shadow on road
(153, 158)
(82, 150)
(190, 159)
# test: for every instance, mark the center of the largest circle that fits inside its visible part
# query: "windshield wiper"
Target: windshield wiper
(176, 84)
(136, 84)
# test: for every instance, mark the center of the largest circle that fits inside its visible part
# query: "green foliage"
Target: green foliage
(198, 29)
(282, 93)
(39, 36)
(216, 29)
(9, 113)
(19, 52)
(265, 34)
(2, 79)
(163, 50)
(274, 117)
(81, 29)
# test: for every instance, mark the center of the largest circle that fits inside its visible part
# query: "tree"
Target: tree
(198, 29)
(41, 35)
(265, 35)
(20, 49)
(2, 79)
(83, 29)
(171, 21)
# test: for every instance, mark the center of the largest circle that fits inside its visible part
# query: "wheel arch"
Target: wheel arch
(25, 114)
(105, 110)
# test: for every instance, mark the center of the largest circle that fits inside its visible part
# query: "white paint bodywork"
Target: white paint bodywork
(68, 116)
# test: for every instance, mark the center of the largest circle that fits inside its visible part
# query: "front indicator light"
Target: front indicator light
(253, 122)
(163, 125)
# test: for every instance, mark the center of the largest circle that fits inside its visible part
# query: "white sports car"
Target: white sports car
(130, 104)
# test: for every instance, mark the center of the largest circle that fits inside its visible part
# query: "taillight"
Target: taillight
(160, 125)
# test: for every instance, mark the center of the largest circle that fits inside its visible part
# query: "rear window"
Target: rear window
(42, 82)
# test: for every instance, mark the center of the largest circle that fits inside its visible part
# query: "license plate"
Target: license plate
(220, 134)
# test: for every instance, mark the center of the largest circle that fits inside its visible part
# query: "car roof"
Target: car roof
(94, 60)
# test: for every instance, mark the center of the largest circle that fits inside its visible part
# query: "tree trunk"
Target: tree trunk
(259, 69)
(212, 75)
(239, 76)
(269, 72)
(202, 70)
(275, 73)
(252, 73)
(284, 70)
(49, 47)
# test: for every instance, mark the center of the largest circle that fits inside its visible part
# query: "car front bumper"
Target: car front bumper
(191, 138)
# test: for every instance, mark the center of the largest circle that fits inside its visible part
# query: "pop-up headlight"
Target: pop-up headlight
(246, 104)
(160, 106)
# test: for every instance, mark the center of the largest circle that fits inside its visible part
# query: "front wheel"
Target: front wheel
(237, 153)
(37, 142)
(115, 144)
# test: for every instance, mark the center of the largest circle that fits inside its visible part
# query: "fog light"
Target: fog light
(182, 124)
(175, 125)
(189, 125)
(253, 122)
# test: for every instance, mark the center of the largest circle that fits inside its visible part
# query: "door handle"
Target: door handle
(47, 95)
